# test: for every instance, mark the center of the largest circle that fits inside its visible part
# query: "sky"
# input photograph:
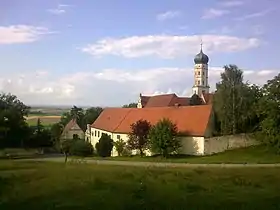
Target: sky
(105, 53)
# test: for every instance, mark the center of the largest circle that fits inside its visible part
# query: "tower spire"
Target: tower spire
(201, 43)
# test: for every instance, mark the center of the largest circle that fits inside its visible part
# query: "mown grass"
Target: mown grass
(254, 154)
(26, 185)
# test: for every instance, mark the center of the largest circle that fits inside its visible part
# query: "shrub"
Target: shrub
(81, 148)
(138, 138)
(163, 138)
(104, 146)
(120, 146)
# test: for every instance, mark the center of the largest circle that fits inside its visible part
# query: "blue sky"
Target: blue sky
(107, 52)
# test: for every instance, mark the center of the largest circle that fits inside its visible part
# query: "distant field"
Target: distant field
(45, 120)
(48, 111)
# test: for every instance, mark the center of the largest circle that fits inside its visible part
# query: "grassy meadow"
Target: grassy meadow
(254, 154)
(34, 185)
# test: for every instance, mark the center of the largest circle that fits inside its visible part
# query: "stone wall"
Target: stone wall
(222, 143)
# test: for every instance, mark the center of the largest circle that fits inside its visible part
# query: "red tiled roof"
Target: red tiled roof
(164, 100)
(144, 100)
(160, 100)
(191, 120)
(182, 101)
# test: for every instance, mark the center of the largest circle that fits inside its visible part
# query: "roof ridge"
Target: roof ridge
(130, 109)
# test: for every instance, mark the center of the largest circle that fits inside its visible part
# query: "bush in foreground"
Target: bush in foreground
(163, 138)
(104, 146)
(138, 138)
(81, 148)
(120, 146)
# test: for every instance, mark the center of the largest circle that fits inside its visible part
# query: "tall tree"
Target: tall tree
(138, 137)
(270, 112)
(41, 137)
(56, 131)
(229, 99)
(92, 114)
(13, 127)
(75, 113)
(83, 118)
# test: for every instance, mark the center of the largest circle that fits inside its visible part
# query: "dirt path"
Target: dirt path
(152, 164)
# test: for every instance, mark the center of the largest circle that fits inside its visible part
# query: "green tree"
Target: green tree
(104, 146)
(14, 130)
(138, 137)
(91, 115)
(269, 113)
(83, 118)
(41, 137)
(130, 105)
(81, 148)
(195, 100)
(56, 131)
(163, 138)
(65, 146)
(120, 146)
(249, 121)
(75, 113)
(230, 100)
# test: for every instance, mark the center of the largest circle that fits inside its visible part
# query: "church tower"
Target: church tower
(201, 73)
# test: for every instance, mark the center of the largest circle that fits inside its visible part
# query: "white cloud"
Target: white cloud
(168, 46)
(168, 15)
(21, 34)
(214, 13)
(60, 9)
(231, 3)
(110, 87)
(254, 15)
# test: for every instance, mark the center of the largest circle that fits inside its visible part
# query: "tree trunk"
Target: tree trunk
(141, 152)
(66, 157)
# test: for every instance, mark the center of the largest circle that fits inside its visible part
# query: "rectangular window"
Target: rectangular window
(98, 133)
(198, 73)
(202, 82)
(203, 73)
(198, 82)
(95, 132)
(118, 137)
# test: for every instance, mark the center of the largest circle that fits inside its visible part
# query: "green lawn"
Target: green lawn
(26, 185)
(255, 154)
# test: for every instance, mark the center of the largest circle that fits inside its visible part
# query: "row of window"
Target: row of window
(99, 134)
(198, 73)
(198, 82)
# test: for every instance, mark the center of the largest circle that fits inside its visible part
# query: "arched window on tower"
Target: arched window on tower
(198, 73)
(198, 82)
